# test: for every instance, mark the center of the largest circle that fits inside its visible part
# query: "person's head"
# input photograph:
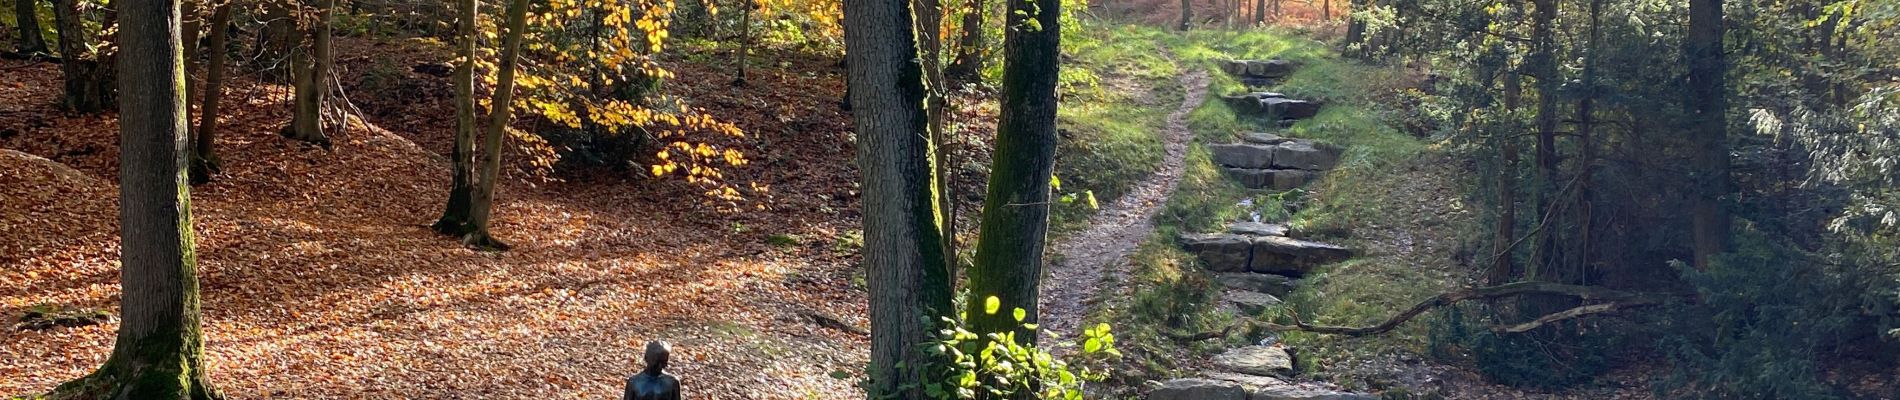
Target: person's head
(657, 353)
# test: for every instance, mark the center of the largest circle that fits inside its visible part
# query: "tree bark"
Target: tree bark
(27, 13)
(499, 114)
(1016, 210)
(904, 256)
(1708, 105)
(930, 40)
(160, 348)
(454, 221)
(1260, 12)
(204, 155)
(88, 75)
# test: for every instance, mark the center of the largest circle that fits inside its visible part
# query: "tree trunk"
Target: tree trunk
(160, 348)
(1187, 14)
(1585, 195)
(1504, 245)
(1708, 105)
(968, 65)
(904, 257)
(930, 42)
(1260, 12)
(745, 42)
(27, 13)
(204, 155)
(1543, 64)
(454, 221)
(499, 114)
(1016, 210)
(1356, 28)
(311, 71)
(88, 77)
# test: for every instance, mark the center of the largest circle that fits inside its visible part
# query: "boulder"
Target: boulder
(1198, 389)
(1244, 155)
(1289, 179)
(1251, 178)
(1263, 138)
(1300, 154)
(1285, 108)
(1271, 284)
(1220, 252)
(1257, 361)
(1257, 229)
(1251, 302)
(1292, 257)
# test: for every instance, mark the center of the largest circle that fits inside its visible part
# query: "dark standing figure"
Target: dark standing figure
(653, 383)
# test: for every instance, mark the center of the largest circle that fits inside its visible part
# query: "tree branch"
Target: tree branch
(1616, 300)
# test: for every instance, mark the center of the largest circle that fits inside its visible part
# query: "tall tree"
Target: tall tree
(204, 154)
(87, 71)
(1708, 105)
(1016, 210)
(27, 13)
(499, 114)
(1187, 14)
(1543, 67)
(904, 257)
(1504, 244)
(160, 348)
(454, 221)
(310, 73)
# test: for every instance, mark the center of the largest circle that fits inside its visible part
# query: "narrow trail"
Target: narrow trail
(1097, 252)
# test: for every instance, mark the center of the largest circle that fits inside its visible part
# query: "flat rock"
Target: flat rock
(1251, 302)
(1220, 252)
(1285, 108)
(1269, 388)
(1276, 285)
(1292, 257)
(1198, 389)
(1300, 154)
(1263, 138)
(1244, 155)
(1256, 360)
(1257, 229)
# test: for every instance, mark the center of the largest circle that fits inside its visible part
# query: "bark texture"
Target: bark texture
(1016, 210)
(88, 73)
(27, 12)
(204, 154)
(160, 348)
(903, 238)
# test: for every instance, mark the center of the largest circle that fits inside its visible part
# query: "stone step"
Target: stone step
(1275, 285)
(1227, 252)
(1272, 105)
(1258, 69)
(1272, 361)
(1288, 154)
(1227, 386)
(1271, 179)
(1250, 302)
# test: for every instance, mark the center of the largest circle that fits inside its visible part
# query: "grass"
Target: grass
(1116, 93)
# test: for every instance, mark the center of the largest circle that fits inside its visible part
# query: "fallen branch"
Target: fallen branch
(1615, 299)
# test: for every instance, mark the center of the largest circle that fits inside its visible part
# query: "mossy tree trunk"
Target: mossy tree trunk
(27, 12)
(904, 255)
(454, 221)
(204, 154)
(1016, 210)
(88, 73)
(498, 117)
(160, 348)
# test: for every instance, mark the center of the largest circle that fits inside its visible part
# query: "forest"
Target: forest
(950, 199)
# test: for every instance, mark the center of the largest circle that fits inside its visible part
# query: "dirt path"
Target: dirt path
(1097, 253)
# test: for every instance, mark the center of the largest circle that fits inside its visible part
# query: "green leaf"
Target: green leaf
(1020, 314)
(1092, 345)
(1055, 182)
(991, 305)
